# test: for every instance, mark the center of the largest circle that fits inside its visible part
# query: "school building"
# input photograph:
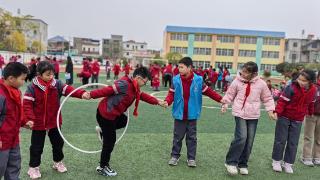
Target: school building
(226, 47)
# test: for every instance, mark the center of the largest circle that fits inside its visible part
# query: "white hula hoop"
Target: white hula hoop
(59, 111)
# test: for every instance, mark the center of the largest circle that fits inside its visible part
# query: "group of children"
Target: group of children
(41, 102)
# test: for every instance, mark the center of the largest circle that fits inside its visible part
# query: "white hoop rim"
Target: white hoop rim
(58, 124)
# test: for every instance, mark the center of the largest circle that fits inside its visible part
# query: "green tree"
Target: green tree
(287, 69)
(15, 42)
(173, 57)
(36, 47)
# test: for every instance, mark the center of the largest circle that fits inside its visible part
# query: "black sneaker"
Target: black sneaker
(106, 171)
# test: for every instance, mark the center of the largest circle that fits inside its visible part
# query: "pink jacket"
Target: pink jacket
(259, 93)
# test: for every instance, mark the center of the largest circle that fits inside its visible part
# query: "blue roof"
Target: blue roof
(225, 31)
(57, 39)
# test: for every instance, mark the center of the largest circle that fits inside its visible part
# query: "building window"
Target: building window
(226, 39)
(204, 64)
(84, 49)
(88, 49)
(203, 37)
(223, 64)
(224, 52)
(127, 53)
(293, 57)
(271, 41)
(180, 50)
(179, 37)
(270, 67)
(128, 45)
(248, 40)
(247, 53)
(141, 46)
(202, 51)
(270, 54)
(314, 45)
(295, 44)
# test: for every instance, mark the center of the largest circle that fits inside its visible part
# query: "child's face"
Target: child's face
(303, 82)
(183, 69)
(17, 82)
(47, 76)
(141, 81)
(245, 74)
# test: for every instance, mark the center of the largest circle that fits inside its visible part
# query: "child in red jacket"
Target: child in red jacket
(41, 103)
(110, 113)
(95, 71)
(11, 119)
(295, 102)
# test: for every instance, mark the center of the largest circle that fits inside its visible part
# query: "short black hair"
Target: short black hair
(251, 67)
(142, 72)
(309, 75)
(44, 66)
(14, 69)
(186, 61)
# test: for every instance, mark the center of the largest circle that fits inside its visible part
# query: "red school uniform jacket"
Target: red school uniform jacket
(119, 97)
(41, 102)
(95, 68)
(11, 117)
(296, 102)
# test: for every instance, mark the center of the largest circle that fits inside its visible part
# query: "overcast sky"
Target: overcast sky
(145, 20)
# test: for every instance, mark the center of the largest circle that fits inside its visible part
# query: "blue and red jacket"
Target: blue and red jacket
(119, 97)
(11, 119)
(41, 102)
(296, 102)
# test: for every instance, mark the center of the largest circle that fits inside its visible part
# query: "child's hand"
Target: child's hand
(272, 116)
(224, 108)
(0, 144)
(29, 125)
(86, 96)
(163, 104)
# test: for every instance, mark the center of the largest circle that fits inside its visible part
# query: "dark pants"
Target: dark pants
(219, 84)
(56, 75)
(69, 81)
(167, 79)
(241, 146)
(37, 144)
(109, 135)
(85, 80)
(286, 139)
(108, 74)
(10, 163)
(213, 85)
(186, 128)
(94, 79)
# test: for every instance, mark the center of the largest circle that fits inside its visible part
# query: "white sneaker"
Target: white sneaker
(276, 166)
(287, 168)
(60, 167)
(316, 161)
(34, 173)
(307, 161)
(232, 170)
(244, 171)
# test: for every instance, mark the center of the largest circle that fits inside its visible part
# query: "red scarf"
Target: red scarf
(15, 94)
(137, 88)
(248, 89)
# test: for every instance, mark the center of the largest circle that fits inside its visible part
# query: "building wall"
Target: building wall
(214, 44)
(38, 32)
